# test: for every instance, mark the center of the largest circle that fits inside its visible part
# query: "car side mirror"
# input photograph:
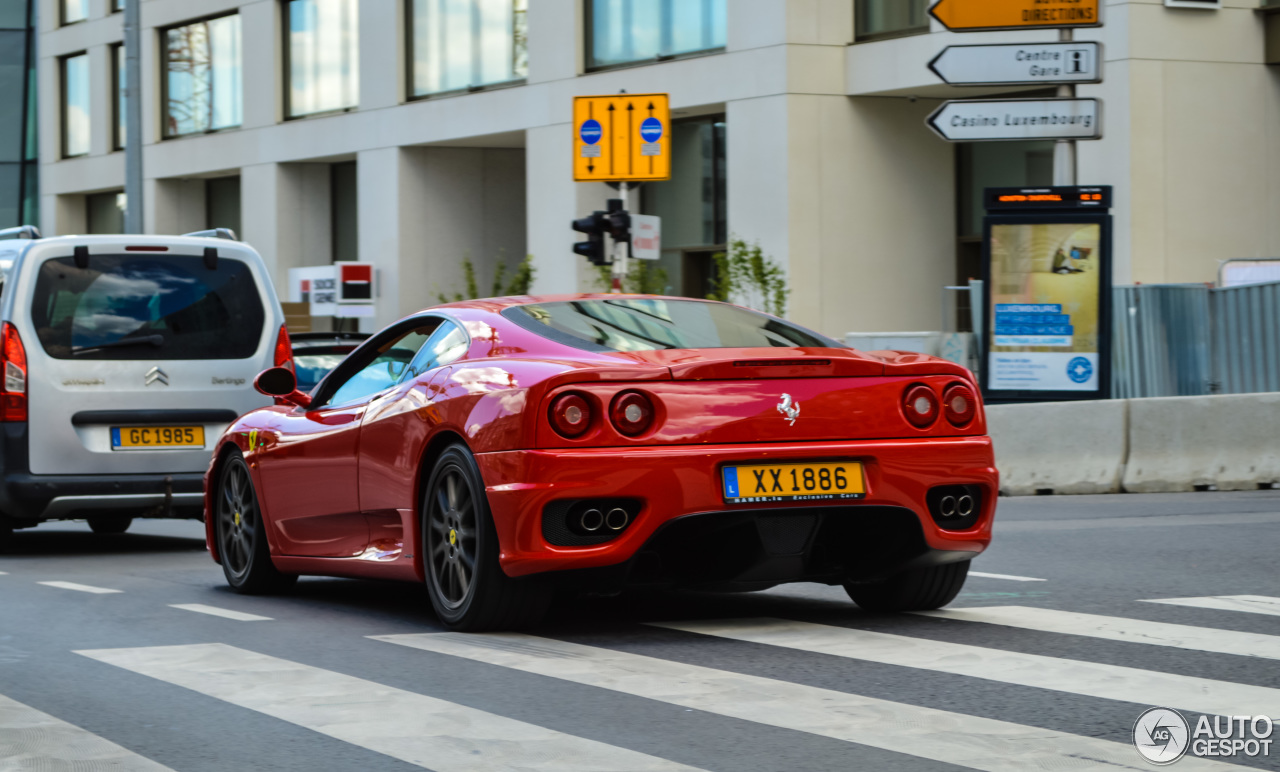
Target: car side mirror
(281, 383)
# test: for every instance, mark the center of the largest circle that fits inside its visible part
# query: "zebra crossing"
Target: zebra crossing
(433, 733)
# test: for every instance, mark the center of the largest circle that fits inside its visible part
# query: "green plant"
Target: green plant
(519, 284)
(644, 277)
(747, 276)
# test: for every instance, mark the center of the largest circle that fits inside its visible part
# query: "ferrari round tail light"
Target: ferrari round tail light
(571, 415)
(632, 413)
(960, 405)
(921, 407)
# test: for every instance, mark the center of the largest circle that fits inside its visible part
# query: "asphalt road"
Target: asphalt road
(347, 675)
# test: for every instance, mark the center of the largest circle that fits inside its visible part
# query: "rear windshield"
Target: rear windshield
(629, 324)
(147, 307)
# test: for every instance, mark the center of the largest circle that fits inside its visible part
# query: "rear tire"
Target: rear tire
(241, 534)
(110, 525)
(468, 588)
(921, 589)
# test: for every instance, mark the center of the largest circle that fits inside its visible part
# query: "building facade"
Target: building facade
(414, 134)
(19, 130)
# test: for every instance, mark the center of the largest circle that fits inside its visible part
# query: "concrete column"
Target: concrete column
(552, 204)
(382, 43)
(380, 211)
(262, 66)
(175, 206)
(285, 215)
(548, 22)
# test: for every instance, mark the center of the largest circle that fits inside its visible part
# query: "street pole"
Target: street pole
(620, 247)
(1064, 152)
(133, 116)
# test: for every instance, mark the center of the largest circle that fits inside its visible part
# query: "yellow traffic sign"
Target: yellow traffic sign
(622, 138)
(979, 15)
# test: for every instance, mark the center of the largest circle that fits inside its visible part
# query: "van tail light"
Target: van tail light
(920, 405)
(284, 349)
(571, 415)
(960, 405)
(13, 396)
(632, 413)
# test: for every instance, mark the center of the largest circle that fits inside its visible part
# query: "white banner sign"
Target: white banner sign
(1007, 65)
(1011, 119)
(646, 237)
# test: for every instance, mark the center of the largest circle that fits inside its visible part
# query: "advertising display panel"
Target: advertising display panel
(1048, 311)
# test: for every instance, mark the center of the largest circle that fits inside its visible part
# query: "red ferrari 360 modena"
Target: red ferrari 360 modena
(497, 449)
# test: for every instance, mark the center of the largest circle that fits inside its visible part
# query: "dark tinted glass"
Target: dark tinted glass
(649, 324)
(147, 307)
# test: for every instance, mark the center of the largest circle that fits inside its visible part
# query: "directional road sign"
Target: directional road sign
(1012, 65)
(988, 120)
(622, 138)
(978, 15)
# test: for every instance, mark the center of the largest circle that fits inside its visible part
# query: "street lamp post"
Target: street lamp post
(133, 116)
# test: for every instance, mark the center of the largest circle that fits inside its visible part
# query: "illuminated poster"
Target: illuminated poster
(1045, 305)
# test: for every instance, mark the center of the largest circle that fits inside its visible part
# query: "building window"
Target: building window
(119, 85)
(876, 19)
(202, 77)
(692, 205)
(117, 5)
(627, 31)
(323, 56)
(459, 44)
(222, 203)
(19, 163)
(75, 105)
(104, 212)
(343, 202)
(74, 11)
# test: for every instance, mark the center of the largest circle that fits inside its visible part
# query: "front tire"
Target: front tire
(467, 586)
(921, 589)
(241, 532)
(110, 525)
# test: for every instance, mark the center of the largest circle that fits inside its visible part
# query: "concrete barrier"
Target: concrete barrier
(1229, 442)
(1060, 447)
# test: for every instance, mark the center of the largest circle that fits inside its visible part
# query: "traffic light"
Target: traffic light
(595, 226)
(619, 221)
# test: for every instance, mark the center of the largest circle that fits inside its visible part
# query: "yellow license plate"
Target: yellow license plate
(793, 482)
(143, 437)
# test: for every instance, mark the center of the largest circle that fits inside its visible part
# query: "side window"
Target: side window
(390, 360)
(446, 344)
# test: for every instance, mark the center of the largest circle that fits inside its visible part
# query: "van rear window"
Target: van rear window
(145, 307)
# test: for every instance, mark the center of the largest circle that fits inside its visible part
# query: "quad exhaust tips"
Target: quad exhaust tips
(953, 506)
(594, 520)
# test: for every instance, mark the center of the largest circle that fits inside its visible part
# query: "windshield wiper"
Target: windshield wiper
(153, 340)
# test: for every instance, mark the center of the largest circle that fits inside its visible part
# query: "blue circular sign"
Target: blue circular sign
(1079, 370)
(651, 130)
(591, 131)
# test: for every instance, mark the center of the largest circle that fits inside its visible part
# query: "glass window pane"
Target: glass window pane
(13, 14)
(75, 105)
(117, 5)
(634, 30)
(888, 17)
(74, 10)
(13, 77)
(31, 194)
(202, 63)
(10, 185)
(324, 70)
(467, 43)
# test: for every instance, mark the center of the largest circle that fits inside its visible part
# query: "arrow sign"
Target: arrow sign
(993, 120)
(1014, 65)
(979, 15)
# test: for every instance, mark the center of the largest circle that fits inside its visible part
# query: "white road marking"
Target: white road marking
(32, 740)
(1120, 629)
(954, 738)
(79, 587)
(1253, 604)
(1009, 577)
(239, 616)
(414, 728)
(4, 573)
(1111, 682)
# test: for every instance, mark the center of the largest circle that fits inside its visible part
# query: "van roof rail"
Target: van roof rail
(20, 232)
(213, 233)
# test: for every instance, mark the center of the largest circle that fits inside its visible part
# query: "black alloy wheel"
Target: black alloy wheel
(109, 525)
(468, 587)
(920, 589)
(242, 540)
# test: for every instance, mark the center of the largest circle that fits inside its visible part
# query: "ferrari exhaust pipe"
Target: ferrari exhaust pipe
(964, 505)
(591, 520)
(947, 506)
(617, 519)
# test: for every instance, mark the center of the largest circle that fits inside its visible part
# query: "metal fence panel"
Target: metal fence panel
(1246, 338)
(1161, 341)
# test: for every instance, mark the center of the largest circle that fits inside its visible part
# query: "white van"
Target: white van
(123, 360)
